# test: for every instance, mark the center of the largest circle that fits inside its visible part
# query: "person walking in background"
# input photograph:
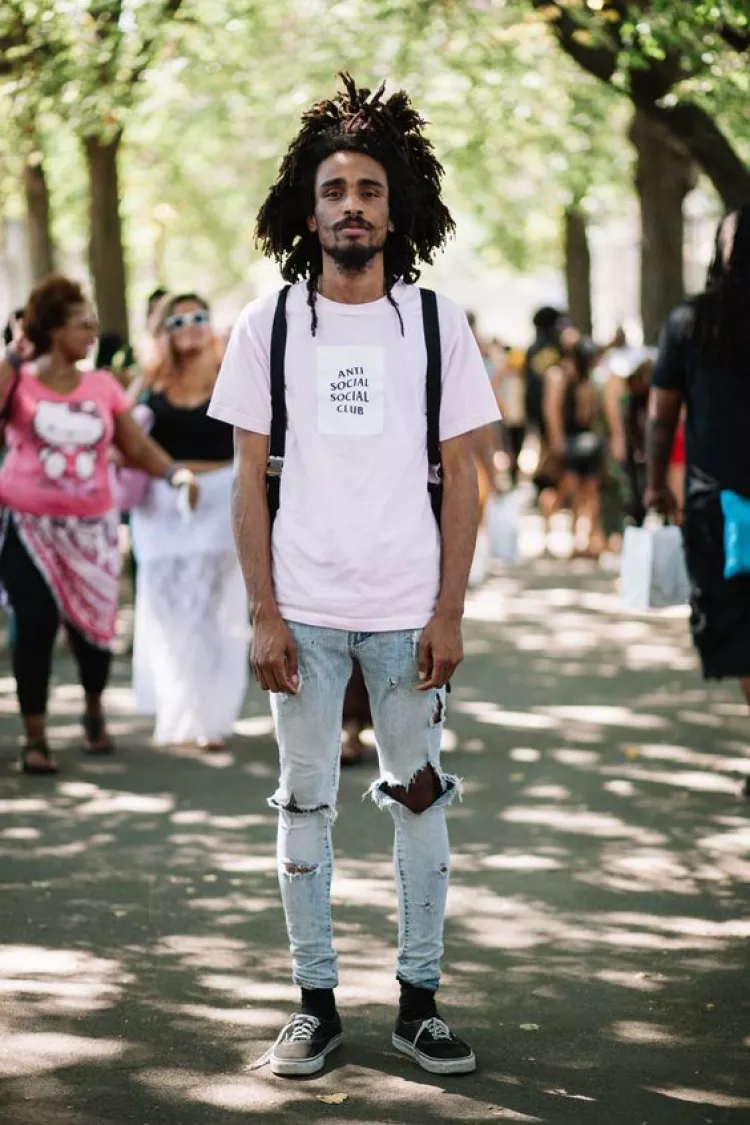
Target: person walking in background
(191, 632)
(60, 558)
(509, 385)
(356, 566)
(13, 331)
(544, 352)
(573, 423)
(702, 366)
(635, 414)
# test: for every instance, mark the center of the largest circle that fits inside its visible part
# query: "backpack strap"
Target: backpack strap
(277, 443)
(431, 327)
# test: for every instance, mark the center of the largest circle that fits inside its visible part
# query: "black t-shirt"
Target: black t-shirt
(543, 354)
(717, 430)
(187, 433)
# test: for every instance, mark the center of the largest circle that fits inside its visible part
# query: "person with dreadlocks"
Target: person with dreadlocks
(356, 567)
(704, 363)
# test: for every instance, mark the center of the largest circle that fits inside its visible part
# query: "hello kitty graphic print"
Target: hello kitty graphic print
(70, 433)
(59, 447)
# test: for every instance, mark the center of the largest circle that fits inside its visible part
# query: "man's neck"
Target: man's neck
(352, 288)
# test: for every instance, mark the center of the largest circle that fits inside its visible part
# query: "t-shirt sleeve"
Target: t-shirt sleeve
(242, 395)
(468, 401)
(670, 370)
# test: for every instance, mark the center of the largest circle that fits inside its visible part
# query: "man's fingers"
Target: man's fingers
(425, 659)
(442, 671)
(260, 677)
(292, 668)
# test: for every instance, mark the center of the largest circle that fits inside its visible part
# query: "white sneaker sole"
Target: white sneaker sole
(286, 1067)
(466, 1065)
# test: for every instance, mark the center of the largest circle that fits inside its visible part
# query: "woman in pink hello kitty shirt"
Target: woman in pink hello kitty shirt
(59, 553)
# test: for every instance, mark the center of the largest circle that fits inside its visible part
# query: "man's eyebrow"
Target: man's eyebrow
(365, 181)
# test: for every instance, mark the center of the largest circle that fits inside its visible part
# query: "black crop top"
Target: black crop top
(187, 433)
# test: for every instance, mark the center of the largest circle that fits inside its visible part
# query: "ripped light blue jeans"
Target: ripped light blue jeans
(408, 728)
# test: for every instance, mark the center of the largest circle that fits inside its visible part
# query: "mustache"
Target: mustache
(346, 224)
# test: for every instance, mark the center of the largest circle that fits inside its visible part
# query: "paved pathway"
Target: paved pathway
(597, 943)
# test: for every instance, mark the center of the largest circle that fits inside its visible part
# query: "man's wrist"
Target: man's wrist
(451, 613)
(265, 610)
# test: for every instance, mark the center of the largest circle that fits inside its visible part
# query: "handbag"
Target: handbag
(503, 522)
(653, 573)
(736, 511)
(130, 486)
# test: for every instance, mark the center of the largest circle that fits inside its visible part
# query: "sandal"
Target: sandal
(95, 737)
(42, 763)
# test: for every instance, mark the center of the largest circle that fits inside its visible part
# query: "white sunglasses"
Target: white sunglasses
(184, 320)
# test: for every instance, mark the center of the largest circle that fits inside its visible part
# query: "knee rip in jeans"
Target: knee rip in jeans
(289, 805)
(425, 789)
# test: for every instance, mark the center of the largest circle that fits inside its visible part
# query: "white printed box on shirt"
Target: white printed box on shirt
(351, 390)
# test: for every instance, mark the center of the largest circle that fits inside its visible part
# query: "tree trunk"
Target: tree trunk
(578, 269)
(41, 245)
(106, 254)
(664, 176)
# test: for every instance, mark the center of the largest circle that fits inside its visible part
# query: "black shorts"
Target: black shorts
(720, 607)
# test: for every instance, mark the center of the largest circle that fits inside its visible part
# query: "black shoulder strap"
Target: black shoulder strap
(278, 392)
(434, 372)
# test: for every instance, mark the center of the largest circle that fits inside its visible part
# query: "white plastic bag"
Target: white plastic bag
(503, 520)
(480, 567)
(653, 573)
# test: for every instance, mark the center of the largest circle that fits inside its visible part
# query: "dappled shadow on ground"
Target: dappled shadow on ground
(599, 915)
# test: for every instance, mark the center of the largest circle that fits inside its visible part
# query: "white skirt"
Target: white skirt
(190, 645)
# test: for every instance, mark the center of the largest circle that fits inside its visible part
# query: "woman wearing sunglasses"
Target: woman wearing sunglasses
(59, 551)
(191, 617)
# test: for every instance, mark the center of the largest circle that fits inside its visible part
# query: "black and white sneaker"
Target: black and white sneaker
(303, 1044)
(432, 1044)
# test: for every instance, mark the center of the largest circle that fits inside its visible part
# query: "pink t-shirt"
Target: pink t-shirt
(58, 445)
(355, 543)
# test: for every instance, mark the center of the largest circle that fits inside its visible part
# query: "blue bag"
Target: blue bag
(736, 511)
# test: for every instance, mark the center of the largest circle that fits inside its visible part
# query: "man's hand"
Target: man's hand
(275, 655)
(441, 650)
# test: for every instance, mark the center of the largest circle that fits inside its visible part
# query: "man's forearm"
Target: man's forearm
(659, 441)
(252, 533)
(459, 522)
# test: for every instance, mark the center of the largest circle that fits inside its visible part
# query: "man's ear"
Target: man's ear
(391, 227)
(312, 224)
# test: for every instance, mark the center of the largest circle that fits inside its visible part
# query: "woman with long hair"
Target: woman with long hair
(60, 558)
(190, 661)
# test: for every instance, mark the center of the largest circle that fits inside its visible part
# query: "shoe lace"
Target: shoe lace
(300, 1028)
(436, 1027)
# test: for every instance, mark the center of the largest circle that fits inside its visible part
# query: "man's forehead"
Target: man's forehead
(351, 166)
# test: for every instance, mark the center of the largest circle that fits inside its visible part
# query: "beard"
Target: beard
(353, 258)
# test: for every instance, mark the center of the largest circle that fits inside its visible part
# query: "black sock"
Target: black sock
(319, 1002)
(416, 1003)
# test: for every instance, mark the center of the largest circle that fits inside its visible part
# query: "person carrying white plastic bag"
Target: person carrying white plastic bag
(653, 574)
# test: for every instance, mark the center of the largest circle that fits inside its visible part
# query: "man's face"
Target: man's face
(351, 209)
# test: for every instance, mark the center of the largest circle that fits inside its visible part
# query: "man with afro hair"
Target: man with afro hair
(368, 558)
